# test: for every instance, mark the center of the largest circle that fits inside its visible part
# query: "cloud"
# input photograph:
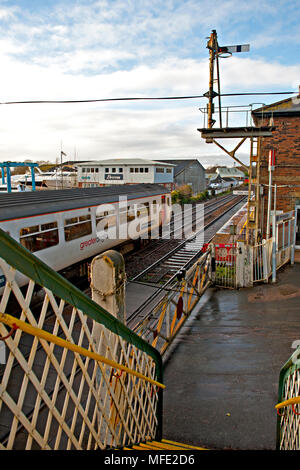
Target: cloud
(108, 49)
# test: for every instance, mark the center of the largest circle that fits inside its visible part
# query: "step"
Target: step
(164, 444)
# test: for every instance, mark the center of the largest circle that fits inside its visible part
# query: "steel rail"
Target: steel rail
(184, 242)
(162, 288)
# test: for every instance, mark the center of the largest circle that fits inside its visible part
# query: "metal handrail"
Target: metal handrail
(15, 323)
(289, 402)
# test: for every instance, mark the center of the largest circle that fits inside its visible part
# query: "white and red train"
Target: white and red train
(65, 228)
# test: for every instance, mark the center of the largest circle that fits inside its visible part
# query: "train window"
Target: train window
(88, 170)
(146, 170)
(141, 170)
(109, 216)
(136, 170)
(143, 210)
(92, 170)
(48, 226)
(96, 170)
(120, 170)
(106, 170)
(82, 218)
(169, 170)
(113, 170)
(131, 170)
(83, 170)
(77, 227)
(28, 230)
(74, 220)
(159, 170)
(46, 236)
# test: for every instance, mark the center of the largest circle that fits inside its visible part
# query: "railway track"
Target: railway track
(137, 261)
(163, 272)
(181, 252)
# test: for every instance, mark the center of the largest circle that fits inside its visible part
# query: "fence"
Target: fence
(283, 228)
(225, 259)
(288, 408)
(58, 390)
(161, 326)
(241, 265)
(262, 260)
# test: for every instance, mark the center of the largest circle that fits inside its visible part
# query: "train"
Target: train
(67, 228)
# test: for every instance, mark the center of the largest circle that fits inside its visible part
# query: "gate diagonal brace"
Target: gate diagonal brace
(199, 294)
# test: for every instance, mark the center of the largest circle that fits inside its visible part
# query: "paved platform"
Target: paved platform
(222, 373)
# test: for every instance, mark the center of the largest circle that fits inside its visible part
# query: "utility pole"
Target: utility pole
(212, 46)
(216, 51)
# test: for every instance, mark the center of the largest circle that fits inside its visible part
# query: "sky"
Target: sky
(97, 49)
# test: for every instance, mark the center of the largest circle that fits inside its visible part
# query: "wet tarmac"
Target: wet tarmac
(222, 373)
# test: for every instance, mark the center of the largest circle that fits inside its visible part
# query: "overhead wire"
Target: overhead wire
(143, 98)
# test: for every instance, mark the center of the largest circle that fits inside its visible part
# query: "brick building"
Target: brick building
(285, 140)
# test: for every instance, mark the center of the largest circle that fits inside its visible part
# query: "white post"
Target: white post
(271, 168)
(108, 290)
(274, 249)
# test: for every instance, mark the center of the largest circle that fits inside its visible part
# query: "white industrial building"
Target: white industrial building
(124, 171)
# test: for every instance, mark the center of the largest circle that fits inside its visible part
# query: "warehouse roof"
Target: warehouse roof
(180, 165)
(230, 172)
(124, 161)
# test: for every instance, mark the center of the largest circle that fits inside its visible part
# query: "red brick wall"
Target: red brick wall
(286, 142)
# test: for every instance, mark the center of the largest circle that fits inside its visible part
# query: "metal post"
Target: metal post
(32, 178)
(274, 246)
(269, 204)
(211, 46)
(3, 174)
(271, 168)
(294, 238)
(8, 178)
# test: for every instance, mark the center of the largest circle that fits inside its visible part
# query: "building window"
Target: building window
(77, 227)
(159, 170)
(168, 170)
(39, 237)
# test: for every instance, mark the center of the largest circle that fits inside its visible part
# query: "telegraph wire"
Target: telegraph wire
(145, 98)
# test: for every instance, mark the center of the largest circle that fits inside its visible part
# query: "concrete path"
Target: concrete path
(222, 373)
